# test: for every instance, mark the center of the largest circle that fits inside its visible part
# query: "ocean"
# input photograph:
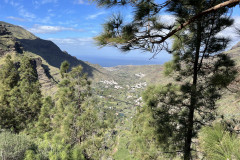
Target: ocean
(116, 61)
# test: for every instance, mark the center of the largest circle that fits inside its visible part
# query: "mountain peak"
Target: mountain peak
(17, 31)
(46, 49)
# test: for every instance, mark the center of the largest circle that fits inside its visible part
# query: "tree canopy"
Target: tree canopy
(146, 31)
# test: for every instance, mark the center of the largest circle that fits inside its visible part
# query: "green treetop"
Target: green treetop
(9, 78)
(69, 126)
(64, 68)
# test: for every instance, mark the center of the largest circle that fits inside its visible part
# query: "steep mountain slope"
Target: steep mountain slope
(16, 41)
(49, 51)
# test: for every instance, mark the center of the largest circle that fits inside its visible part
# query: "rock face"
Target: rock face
(45, 79)
(8, 42)
(4, 35)
(3, 30)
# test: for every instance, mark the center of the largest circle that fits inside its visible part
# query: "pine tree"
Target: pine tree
(145, 31)
(76, 114)
(143, 144)
(74, 126)
(9, 78)
(9, 74)
(203, 72)
(193, 48)
(29, 103)
(20, 95)
(64, 68)
(43, 124)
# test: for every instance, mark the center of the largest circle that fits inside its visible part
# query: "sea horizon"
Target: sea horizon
(120, 61)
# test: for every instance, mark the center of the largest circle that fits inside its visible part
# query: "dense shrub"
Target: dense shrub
(218, 143)
(13, 146)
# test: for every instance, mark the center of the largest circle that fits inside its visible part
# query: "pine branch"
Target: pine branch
(229, 3)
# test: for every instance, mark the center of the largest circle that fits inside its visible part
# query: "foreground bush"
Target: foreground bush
(14, 146)
(218, 143)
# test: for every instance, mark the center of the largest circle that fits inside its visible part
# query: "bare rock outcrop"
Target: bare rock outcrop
(45, 79)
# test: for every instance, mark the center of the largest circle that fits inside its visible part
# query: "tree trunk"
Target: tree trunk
(193, 100)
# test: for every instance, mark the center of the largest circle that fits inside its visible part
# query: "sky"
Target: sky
(72, 24)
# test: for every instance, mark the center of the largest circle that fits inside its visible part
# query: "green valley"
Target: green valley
(54, 106)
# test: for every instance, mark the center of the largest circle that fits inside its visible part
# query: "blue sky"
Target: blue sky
(72, 24)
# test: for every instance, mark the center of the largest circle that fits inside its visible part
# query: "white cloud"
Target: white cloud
(51, 29)
(72, 41)
(69, 11)
(237, 21)
(230, 32)
(69, 23)
(38, 3)
(81, 2)
(169, 19)
(16, 18)
(49, 1)
(46, 20)
(24, 13)
(94, 16)
(15, 4)
(21, 10)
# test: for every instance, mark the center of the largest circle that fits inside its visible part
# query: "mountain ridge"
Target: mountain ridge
(52, 57)
(44, 48)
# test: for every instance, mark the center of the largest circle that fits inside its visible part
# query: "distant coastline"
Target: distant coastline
(119, 61)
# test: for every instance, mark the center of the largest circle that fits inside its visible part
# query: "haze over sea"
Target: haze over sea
(111, 56)
(115, 61)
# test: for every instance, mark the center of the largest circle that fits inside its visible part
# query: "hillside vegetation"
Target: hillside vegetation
(93, 112)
